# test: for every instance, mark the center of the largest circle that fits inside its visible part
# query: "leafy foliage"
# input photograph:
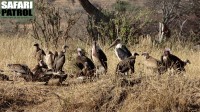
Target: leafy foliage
(121, 6)
(125, 25)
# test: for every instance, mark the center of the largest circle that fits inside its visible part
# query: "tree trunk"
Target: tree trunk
(93, 11)
(164, 32)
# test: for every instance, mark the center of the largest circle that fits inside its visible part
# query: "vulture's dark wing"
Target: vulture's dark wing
(175, 58)
(79, 62)
(43, 52)
(90, 63)
(60, 62)
(20, 68)
(79, 65)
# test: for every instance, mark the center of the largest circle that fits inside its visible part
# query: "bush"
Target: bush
(127, 26)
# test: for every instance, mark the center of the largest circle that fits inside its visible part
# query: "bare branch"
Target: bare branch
(48, 25)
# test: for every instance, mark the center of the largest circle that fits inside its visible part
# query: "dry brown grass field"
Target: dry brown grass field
(148, 92)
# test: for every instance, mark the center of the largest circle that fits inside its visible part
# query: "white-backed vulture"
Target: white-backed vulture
(60, 60)
(49, 60)
(39, 53)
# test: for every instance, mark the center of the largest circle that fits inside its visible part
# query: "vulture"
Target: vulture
(51, 75)
(60, 59)
(42, 74)
(55, 57)
(39, 70)
(171, 61)
(83, 63)
(82, 58)
(127, 64)
(49, 60)
(87, 72)
(21, 69)
(39, 53)
(152, 63)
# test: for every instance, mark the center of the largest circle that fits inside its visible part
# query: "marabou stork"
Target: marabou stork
(121, 50)
(98, 56)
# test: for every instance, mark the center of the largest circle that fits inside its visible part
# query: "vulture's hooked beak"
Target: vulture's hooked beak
(65, 47)
(36, 44)
(145, 54)
(136, 54)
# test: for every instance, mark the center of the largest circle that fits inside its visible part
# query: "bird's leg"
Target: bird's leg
(14, 76)
(117, 78)
(59, 82)
(96, 72)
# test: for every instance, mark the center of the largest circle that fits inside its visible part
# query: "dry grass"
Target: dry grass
(153, 93)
